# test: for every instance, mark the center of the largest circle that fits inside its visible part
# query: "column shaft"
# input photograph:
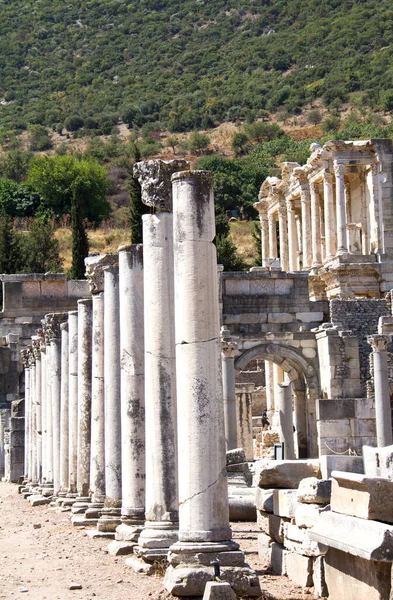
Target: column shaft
(84, 395)
(292, 238)
(330, 228)
(44, 411)
(284, 410)
(229, 397)
(283, 229)
(306, 227)
(49, 420)
(315, 226)
(272, 235)
(383, 409)
(73, 400)
(64, 409)
(340, 209)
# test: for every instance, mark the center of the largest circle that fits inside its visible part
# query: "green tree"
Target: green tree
(240, 143)
(137, 208)
(11, 259)
(73, 123)
(18, 199)
(15, 164)
(80, 240)
(227, 254)
(197, 142)
(59, 178)
(39, 138)
(172, 141)
(41, 249)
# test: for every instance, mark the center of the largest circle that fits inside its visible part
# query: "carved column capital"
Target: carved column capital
(154, 177)
(338, 169)
(261, 207)
(379, 342)
(52, 325)
(95, 267)
(228, 346)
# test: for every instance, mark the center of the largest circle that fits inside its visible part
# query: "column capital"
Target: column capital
(379, 342)
(305, 196)
(261, 207)
(95, 266)
(52, 324)
(338, 169)
(314, 187)
(154, 177)
(36, 346)
(228, 346)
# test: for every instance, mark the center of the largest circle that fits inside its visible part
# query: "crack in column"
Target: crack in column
(222, 474)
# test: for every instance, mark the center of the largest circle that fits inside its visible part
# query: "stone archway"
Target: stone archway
(297, 368)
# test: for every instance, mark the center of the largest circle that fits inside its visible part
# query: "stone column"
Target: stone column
(228, 351)
(203, 493)
(33, 419)
(261, 208)
(132, 385)
(269, 387)
(64, 409)
(272, 235)
(282, 223)
(244, 393)
(43, 408)
(95, 266)
(305, 204)
(330, 227)
(25, 360)
(48, 402)
(340, 209)
(111, 513)
(53, 321)
(85, 317)
(161, 525)
(364, 215)
(292, 237)
(315, 226)
(38, 395)
(383, 416)
(285, 419)
(73, 401)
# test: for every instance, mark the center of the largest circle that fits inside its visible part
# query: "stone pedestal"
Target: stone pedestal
(111, 513)
(204, 532)
(228, 351)
(132, 396)
(161, 526)
(285, 419)
(383, 411)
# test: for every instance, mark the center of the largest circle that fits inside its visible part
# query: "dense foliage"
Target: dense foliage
(187, 63)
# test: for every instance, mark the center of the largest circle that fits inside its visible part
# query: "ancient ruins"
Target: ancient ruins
(163, 397)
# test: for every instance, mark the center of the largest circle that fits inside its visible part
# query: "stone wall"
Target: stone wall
(361, 318)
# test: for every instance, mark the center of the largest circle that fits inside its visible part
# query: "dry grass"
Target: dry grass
(241, 233)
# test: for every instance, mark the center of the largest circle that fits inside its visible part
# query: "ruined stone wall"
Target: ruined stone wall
(361, 317)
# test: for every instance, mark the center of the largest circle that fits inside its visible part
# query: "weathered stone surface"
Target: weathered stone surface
(284, 473)
(284, 503)
(155, 179)
(191, 580)
(378, 462)
(264, 499)
(272, 525)
(318, 578)
(278, 559)
(314, 491)
(299, 568)
(218, 591)
(297, 540)
(353, 578)
(236, 456)
(368, 539)
(117, 548)
(362, 496)
(264, 547)
(307, 515)
(242, 508)
(352, 464)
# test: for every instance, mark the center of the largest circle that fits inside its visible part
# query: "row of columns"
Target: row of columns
(131, 391)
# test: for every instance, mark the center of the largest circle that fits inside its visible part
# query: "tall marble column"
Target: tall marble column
(305, 204)
(292, 237)
(383, 411)
(48, 402)
(73, 401)
(272, 235)
(330, 226)
(33, 419)
(85, 318)
(64, 408)
(111, 513)
(25, 360)
(315, 226)
(203, 493)
(161, 526)
(132, 386)
(261, 208)
(36, 342)
(43, 407)
(269, 389)
(244, 392)
(228, 351)
(285, 419)
(364, 215)
(340, 209)
(52, 322)
(283, 231)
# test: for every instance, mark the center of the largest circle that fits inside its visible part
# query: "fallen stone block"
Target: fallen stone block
(329, 463)
(117, 548)
(297, 540)
(39, 500)
(278, 559)
(362, 496)
(264, 499)
(351, 577)
(314, 491)
(299, 568)
(284, 503)
(307, 515)
(218, 591)
(284, 473)
(368, 539)
(272, 525)
(378, 462)
(242, 508)
(318, 578)
(264, 547)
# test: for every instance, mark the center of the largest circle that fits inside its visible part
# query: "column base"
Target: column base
(151, 553)
(109, 520)
(190, 568)
(126, 536)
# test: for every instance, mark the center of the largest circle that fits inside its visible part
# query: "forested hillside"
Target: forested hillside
(189, 63)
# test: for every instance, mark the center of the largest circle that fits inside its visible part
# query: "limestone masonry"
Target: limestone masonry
(164, 397)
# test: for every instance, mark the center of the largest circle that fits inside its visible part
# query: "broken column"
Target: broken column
(204, 531)
(285, 419)
(161, 526)
(111, 513)
(228, 351)
(383, 416)
(132, 397)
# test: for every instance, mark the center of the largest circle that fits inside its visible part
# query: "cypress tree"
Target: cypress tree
(137, 208)
(80, 242)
